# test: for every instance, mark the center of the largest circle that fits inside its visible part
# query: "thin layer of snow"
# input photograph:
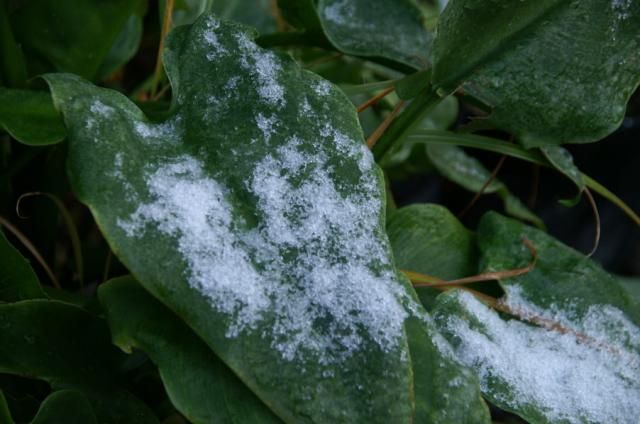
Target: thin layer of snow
(264, 65)
(211, 39)
(568, 379)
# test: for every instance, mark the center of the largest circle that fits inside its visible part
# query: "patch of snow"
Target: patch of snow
(211, 39)
(264, 66)
(568, 379)
(101, 109)
(192, 207)
(340, 12)
(266, 125)
(322, 88)
(165, 132)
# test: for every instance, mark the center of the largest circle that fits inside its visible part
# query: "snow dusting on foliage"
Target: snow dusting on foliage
(590, 374)
(314, 269)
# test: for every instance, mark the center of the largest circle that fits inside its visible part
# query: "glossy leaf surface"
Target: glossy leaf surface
(553, 71)
(29, 116)
(200, 386)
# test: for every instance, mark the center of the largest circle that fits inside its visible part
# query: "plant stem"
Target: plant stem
(166, 26)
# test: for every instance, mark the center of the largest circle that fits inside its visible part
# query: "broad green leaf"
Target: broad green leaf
(65, 406)
(67, 347)
(468, 172)
(29, 116)
(254, 211)
(72, 36)
(553, 71)
(428, 239)
(200, 386)
(18, 281)
(580, 363)
(390, 29)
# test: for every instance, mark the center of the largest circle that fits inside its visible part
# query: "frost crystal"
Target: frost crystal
(570, 380)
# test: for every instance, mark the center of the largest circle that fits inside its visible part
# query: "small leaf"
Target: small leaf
(18, 281)
(562, 160)
(29, 117)
(124, 47)
(256, 13)
(65, 406)
(553, 71)
(200, 386)
(74, 37)
(390, 29)
(428, 239)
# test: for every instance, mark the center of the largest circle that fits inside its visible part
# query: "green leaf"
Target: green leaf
(256, 13)
(29, 116)
(18, 281)
(74, 37)
(562, 160)
(200, 386)
(65, 406)
(428, 239)
(553, 71)
(255, 212)
(390, 29)
(56, 342)
(581, 332)
(67, 347)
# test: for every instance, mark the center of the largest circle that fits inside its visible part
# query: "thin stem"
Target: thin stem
(31, 248)
(76, 245)
(375, 136)
(375, 99)
(487, 183)
(166, 26)
(421, 280)
(502, 147)
(596, 214)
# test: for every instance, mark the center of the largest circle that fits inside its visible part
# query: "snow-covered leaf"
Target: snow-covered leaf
(571, 351)
(255, 212)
